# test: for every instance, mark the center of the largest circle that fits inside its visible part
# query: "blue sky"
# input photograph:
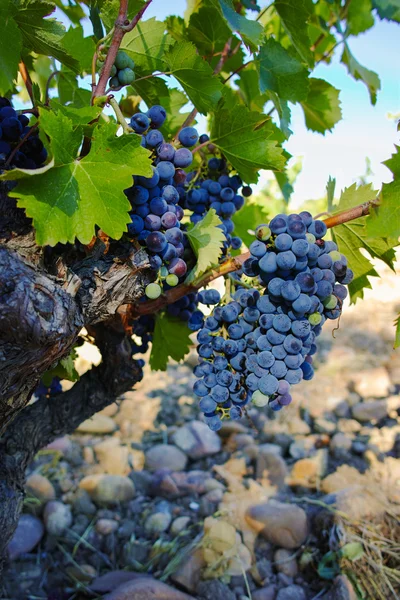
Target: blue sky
(365, 130)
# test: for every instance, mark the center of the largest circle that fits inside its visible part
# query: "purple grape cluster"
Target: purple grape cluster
(13, 129)
(45, 391)
(257, 346)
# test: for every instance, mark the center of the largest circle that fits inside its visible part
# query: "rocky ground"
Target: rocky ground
(145, 502)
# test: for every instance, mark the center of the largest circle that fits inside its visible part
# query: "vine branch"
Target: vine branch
(27, 80)
(235, 263)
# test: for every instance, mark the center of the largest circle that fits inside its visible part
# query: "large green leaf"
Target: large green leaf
(150, 90)
(69, 90)
(359, 16)
(251, 31)
(81, 48)
(68, 197)
(176, 27)
(361, 73)
(195, 76)
(248, 218)
(385, 219)
(206, 239)
(41, 35)
(170, 340)
(281, 72)
(295, 15)
(388, 9)
(208, 30)
(352, 237)
(322, 106)
(109, 11)
(10, 47)
(147, 45)
(248, 140)
(249, 86)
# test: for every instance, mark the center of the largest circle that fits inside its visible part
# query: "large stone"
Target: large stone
(214, 590)
(340, 444)
(108, 489)
(145, 588)
(308, 472)
(57, 517)
(284, 525)
(292, 592)
(97, 424)
(28, 534)
(370, 411)
(285, 562)
(341, 590)
(40, 487)
(272, 466)
(265, 593)
(188, 573)
(165, 456)
(114, 458)
(374, 383)
(113, 579)
(348, 426)
(197, 440)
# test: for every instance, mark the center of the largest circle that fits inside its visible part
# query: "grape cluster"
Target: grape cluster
(258, 345)
(13, 129)
(122, 72)
(45, 391)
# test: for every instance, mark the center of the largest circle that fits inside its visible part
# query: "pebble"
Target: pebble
(108, 489)
(284, 525)
(285, 562)
(84, 573)
(88, 455)
(57, 517)
(265, 593)
(340, 444)
(272, 466)
(97, 424)
(322, 425)
(308, 472)
(165, 456)
(114, 458)
(27, 535)
(179, 525)
(370, 411)
(111, 580)
(106, 526)
(341, 590)
(348, 426)
(374, 383)
(292, 592)
(214, 590)
(40, 487)
(134, 553)
(157, 523)
(188, 573)
(61, 444)
(197, 440)
(82, 503)
(146, 588)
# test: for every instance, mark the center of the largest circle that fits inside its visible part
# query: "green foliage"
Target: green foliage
(397, 335)
(359, 16)
(206, 239)
(361, 73)
(170, 340)
(147, 45)
(322, 106)
(385, 219)
(295, 15)
(64, 369)
(388, 9)
(10, 47)
(252, 214)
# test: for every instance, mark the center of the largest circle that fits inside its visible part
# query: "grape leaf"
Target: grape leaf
(69, 90)
(79, 47)
(284, 184)
(150, 90)
(41, 35)
(208, 31)
(78, 116)
(75, 13)
(361, 73)
(397, 335)
(147, 45)
(173, 103)
(284, 114)
(69, 196)
(176, 27)
(246, 220)
(109, 11)
(244, 138)
(206, 239)
(322, 106)
(359, 16)
(388, 9)
(171, 339)
(385, 219)
(10, 48)
(251, 31)
(351, 237)
(249, 87)
(281, 72)
(64, 369)
(195, 76)
(295, 15)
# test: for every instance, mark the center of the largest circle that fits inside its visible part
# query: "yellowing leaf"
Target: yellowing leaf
(206, 239)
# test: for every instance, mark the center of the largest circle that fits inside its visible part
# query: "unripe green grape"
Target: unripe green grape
(153, 291)
(310, 238)
(263, 233)
(131, 63)
(126, 76)
(122, 60)
(113, 71)
(330, 302)
(114, 82)
(100, 64)
(259, 399)
(163, 272)
(172, 280)
(315, 319)
(335, 255)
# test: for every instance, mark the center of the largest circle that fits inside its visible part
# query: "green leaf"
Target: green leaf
(281, 72)
(69, 90)
(360, 73)
(352, 237)
(330, 192)
(388, 9)
(251, 31)
(249, 87)
(41, 35)
(206, 239)
(295, 15)
(195, 76)
(248, 218)
(284, 184)
(173, 103)
(284, 114)
(322, 108)
(359, 16)
(147, 45)
(248, 140)
(208, 30)
(393, 163)
(150, 90)
(81, 48)
(384, 220)
(10, 48)
(74, 12)
(352, 551)
(109, 11)
(397, 335)
(176, 27)
(64, 369)
(328, 566)
(69, 196)
(171, 339)
(78, 116)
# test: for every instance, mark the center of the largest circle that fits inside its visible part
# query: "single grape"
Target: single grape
(153, 291)
(140, 122)
(126, 76)
(188, 136)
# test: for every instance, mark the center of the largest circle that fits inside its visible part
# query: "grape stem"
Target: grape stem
(27, 80)
(118, 113)
(235, 263)
(122, 26)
